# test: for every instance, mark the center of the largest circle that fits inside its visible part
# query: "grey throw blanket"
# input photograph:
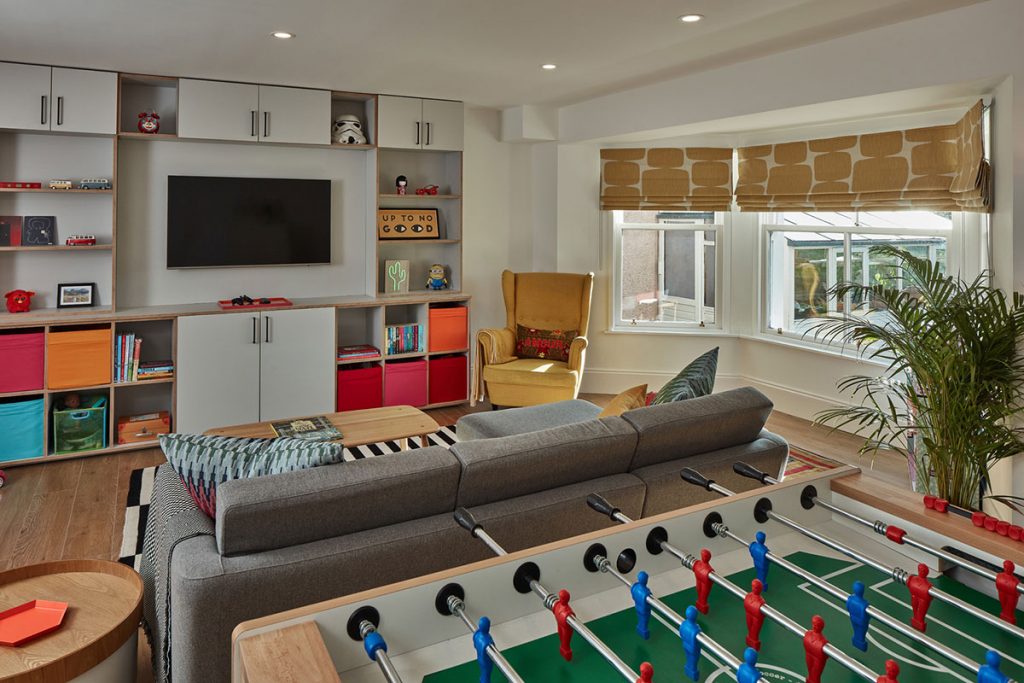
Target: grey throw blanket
(173, 518)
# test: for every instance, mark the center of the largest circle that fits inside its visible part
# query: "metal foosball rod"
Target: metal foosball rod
(599, 504)
(378, 651)
(458, 608)
(466, 520)
(890, 531)
(897, 574)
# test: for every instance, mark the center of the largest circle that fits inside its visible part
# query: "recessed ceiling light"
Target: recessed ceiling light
(549, 67)
(691, 18)
(283, 35)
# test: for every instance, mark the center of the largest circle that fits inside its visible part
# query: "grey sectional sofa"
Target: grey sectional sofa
(292, 539)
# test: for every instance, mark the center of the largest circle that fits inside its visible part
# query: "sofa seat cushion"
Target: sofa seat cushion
(532, 372)
(489, 425)
(206, 462)
(666, 491)
(498, 469)
(698, 425)
(255, 515)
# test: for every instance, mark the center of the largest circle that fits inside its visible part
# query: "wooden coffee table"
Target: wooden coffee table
(98, 638)
(357, 427)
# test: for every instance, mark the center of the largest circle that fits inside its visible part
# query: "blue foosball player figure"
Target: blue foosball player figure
(759, 553)
(747, 671)
(481, 641)
(857, 606)
(688, 632)
(989, 672)
(640, 593)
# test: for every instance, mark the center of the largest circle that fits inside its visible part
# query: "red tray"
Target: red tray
(21, 624)
(275, 302)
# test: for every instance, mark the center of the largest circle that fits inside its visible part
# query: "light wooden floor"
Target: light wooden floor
(75, 508)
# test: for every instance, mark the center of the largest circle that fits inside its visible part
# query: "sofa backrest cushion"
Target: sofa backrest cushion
(682, 428)
(277, 511)
(518, 465)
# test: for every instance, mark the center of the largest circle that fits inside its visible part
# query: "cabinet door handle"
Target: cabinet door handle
(266, 324)
(252, 122)
(266, 124)
(417, 132)
(60, 110)
(42, 110)
(255, 324)
(428, 132)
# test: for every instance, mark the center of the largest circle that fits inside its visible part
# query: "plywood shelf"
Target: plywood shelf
(148, 136)
(414, 240)
(139, 382)
(404, 197)
(400, 356)
(353, 361)
(47, 190)
(338, 145)
(61, 247)
(14, 394)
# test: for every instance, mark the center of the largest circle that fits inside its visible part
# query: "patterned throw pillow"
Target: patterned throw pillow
(696, 379)
(547, 344)
(627, 400)
(204, 462)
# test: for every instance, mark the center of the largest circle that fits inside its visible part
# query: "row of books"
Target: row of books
(404, 339)
(358, 352)
(127, 364)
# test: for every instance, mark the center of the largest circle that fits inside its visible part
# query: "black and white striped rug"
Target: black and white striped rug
(140, 490)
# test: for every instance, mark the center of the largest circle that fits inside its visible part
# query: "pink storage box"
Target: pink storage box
(405, 383)
(21, 361)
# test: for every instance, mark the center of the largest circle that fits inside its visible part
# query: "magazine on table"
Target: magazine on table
(317, 428)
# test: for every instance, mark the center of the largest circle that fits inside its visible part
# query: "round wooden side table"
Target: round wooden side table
(98, 638)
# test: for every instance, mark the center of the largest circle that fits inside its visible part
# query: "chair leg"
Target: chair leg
(495, 407)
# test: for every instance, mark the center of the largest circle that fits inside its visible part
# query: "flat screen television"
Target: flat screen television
(215, 221)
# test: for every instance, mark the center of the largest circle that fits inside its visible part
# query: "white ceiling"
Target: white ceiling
(485, 52)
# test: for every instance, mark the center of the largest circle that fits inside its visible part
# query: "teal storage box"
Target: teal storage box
(21, 430)
(83, 428)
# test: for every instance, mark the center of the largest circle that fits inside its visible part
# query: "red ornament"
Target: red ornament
(428, 190)
(19, 300)
(149, 122)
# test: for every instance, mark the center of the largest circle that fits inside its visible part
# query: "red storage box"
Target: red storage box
(448, 329)
(21, 361)
(360, 388)
(448, 379)
(405, 383)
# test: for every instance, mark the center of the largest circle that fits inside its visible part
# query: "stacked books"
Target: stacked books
(317, 428)
(358, 352)
(127, 365)
(404, 339)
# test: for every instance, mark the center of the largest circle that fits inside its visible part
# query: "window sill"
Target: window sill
(847, 353)
(676, 331)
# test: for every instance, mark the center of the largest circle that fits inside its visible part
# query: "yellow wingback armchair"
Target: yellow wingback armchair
(547, 301)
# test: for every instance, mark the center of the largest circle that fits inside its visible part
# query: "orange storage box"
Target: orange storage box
(78, 358)
(139, 428)
(448, 329)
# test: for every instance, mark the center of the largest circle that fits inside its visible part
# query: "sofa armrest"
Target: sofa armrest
(496, 345)
(577, 353)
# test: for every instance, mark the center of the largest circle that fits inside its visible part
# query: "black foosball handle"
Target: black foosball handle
(466, 520)
(694, 477)
(750, 472)
(600, 504)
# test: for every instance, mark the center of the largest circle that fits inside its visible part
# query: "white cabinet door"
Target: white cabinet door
(400, 122)
(24, 96)
(83, 101)
(297, 365)
(442, 125)
(218, 371)
(295, 115)
(215, 110)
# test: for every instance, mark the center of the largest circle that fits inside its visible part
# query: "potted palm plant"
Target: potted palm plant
(953, 378)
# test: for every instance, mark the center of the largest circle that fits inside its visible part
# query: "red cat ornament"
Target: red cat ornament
(19, 300)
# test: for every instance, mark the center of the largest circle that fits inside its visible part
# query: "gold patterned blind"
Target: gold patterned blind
(666, 179)
(939, 168)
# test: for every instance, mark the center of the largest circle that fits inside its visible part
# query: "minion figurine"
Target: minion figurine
(435, 278)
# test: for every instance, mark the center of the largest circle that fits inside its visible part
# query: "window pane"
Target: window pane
(802, 267)
(662, 277)
(642, 217)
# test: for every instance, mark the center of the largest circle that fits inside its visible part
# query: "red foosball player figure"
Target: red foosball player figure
(562, 612)
(892, 672)
(752, 605)
(814, 650)
(920, 596)
(646, 673)
(1006, 585)
(702, 571)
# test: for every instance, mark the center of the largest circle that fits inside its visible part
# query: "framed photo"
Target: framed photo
(76, 295)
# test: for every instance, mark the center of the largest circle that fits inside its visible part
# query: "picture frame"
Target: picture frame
(76, 295)
(406, 224)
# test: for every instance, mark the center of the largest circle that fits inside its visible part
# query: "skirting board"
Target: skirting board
(787, 399)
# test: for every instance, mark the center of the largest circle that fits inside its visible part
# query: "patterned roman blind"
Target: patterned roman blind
(667, 179)
(939, 168)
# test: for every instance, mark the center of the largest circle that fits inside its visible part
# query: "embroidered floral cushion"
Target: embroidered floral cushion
(532, 342)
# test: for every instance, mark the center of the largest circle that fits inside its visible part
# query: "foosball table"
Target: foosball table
(813, 579)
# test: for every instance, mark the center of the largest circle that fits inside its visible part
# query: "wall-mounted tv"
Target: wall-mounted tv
(216, 222)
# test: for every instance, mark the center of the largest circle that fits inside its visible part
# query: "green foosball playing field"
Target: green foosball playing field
(781, 657)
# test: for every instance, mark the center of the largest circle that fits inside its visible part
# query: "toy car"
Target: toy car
(60, 184)
(429, 189)
(94, 184)
(80, 240)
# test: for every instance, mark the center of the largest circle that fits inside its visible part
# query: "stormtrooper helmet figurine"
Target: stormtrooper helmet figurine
(347, 130)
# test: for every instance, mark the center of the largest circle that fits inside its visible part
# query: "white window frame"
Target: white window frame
(966, 255)
(720, 230)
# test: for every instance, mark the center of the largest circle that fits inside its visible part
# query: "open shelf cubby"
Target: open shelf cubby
(421, 168)
(362, 105)
(360, 326)
(157, 344)
(421, 254)
(148, 93)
